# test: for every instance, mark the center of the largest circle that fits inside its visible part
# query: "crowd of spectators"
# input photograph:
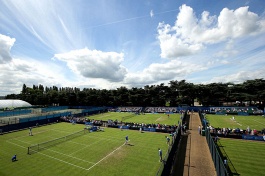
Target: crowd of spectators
(158, 126)
(235, 131)
(128, 109)
(250, 110)
(146, 109)
(116, 123)
(81, 120)
(161, 110)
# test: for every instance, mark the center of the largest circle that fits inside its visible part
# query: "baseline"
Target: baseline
(50, 156)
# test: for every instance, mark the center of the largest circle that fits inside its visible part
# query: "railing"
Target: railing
(166, 166)
(218, 155)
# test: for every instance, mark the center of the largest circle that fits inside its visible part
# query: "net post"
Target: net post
(28, 150)
(38, 147)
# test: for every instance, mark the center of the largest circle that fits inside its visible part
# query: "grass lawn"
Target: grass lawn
(242, 122)
(96, 153)
(246, 156)
(147, 118)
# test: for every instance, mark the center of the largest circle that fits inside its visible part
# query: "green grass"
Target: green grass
(246, 156)
(96, 153)
(147, 118)
(242, 122)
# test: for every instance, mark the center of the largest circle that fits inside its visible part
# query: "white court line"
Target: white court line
(28, 135)
(104, 139)
(85, 147)
(77, 143)
(62, 131)
(259, 122)
(22, 141)
(159, 119)
(60, 153)
(106, 156)
(50, 156)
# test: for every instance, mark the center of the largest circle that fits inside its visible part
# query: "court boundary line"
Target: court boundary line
(61, 153)
(85, 147)
(258, 121)
(43, 131)
(50, 156)
(105, 157)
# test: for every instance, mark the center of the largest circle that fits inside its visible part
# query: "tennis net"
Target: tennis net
(44, 145)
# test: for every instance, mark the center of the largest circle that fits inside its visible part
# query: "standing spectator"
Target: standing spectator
(168, 140)
(225, 162)
(216, 138)
(160, 154)
(30, 131)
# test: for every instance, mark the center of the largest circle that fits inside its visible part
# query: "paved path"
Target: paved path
(194, 158)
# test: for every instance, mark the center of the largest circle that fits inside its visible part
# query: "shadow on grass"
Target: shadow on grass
(178, 168)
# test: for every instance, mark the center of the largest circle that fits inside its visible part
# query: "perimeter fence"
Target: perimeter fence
(169, 159)
(218, 156)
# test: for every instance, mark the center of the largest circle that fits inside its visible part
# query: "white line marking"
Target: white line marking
(51, 157)
(106, 156)
(22, 141)
(159, 119)
(85, 147)
(28, 135)
(259, 122)
(60, 153)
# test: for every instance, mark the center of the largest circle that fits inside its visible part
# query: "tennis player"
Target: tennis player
(30, 131)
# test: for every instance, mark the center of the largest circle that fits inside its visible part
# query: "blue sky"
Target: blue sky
(107, 44)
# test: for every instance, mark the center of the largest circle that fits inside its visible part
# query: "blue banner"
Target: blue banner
(150, 129)
(88, 123)
(124, 127)
(253, 137)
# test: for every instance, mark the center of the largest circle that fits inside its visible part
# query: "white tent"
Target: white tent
(13, 103)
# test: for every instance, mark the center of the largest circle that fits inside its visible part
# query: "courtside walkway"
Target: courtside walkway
(198, 160)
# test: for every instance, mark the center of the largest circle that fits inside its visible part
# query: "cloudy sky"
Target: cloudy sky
(107, 44)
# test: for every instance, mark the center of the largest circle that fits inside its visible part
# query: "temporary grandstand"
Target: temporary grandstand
(12, 103)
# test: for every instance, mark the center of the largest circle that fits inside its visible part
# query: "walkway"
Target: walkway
(194, 158)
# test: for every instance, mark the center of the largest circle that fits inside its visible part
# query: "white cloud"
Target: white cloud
(151, 13)
(28, 71)
(239, 77)
(6, 44)
(190, 35)
(42, 21)
(228, 50)
(95, 64)
(164, 72)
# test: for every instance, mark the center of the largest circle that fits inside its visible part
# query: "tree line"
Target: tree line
(176, 93)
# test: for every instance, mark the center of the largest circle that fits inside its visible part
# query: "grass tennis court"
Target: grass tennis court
(172, 119)
(96, 153)
(242, 122)
(246, 156)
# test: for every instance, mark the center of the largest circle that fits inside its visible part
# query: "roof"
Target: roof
(10, 103)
